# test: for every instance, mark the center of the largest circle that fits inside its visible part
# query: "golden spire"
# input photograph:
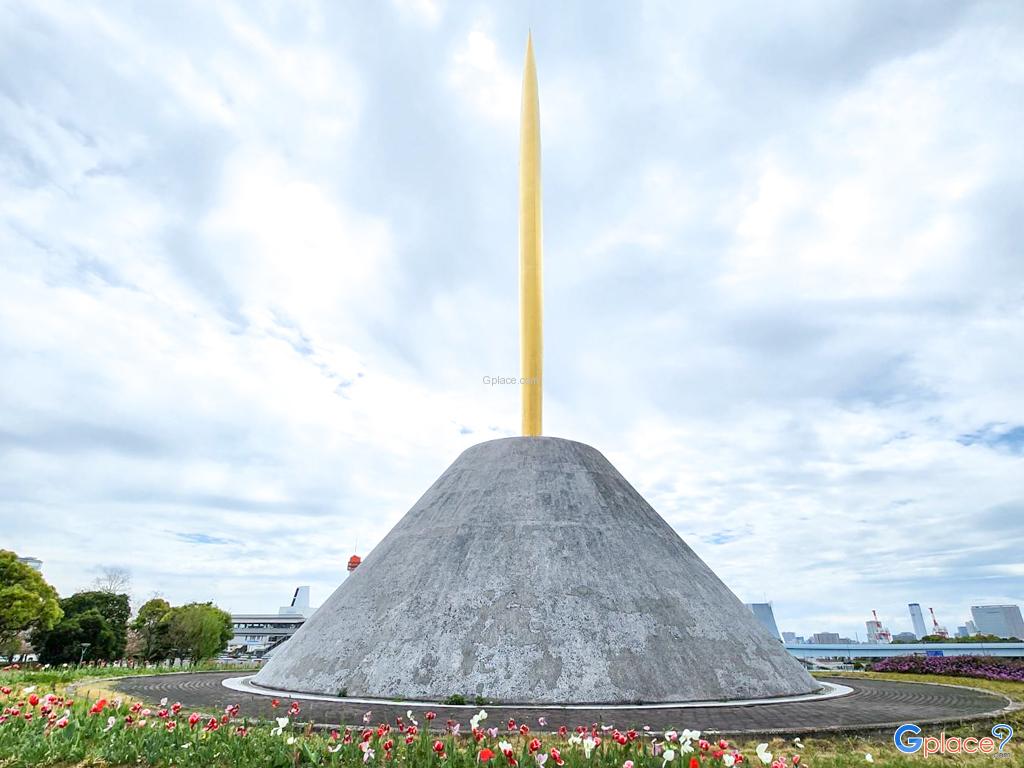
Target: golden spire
(531, 308)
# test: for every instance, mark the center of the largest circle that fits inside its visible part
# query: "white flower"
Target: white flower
(869, 758)
(688, 735)
(542, 721)
(588, 746)
(763, 753)
(367, 755)
(163, 702)
(685, 747)
(474, 721)
(282, 723)
(335, 748)
(408, 713)
(668, 756)
(541, 757)
(728, 760)
(575, 739)
(504, 747)
(671, 735)
(110, 723)
(29, 689)
(186, 745)
(291, 740)
(367, 716)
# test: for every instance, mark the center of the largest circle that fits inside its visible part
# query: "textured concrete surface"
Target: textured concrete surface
(874, 705)
(532, 572)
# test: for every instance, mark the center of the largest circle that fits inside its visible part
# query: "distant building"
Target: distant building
(972, 629)
(876, 632)
(32, 562)
(998, 620)
(789, 637)
(258, 633)
(299, 604)
(825, 637)
(917, 619)
(961, 631)
(764, 614)
(904, 637)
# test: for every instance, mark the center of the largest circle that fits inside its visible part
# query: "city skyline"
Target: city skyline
(251, 286)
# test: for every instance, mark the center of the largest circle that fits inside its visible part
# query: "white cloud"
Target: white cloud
(254, 264)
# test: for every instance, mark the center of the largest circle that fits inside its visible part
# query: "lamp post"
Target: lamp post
(81, 657)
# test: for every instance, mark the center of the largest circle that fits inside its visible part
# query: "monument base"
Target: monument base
(532, 572)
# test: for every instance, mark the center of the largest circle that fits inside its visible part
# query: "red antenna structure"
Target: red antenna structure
(937, 628)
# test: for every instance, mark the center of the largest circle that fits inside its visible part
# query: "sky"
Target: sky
(256, 260)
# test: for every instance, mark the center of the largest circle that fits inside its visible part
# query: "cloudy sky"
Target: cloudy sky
(256, 259)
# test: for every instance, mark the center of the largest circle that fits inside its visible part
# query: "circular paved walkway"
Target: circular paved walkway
(873, 704)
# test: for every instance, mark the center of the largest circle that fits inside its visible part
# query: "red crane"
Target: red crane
(882, 634)
(937, 628)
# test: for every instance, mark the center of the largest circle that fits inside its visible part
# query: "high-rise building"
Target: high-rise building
(876, 632)
(998, 620)
(972, 628)
(961, 631)
(32, 562)
(789, 637)
(764, 614)
(825, 637)
(917, 619)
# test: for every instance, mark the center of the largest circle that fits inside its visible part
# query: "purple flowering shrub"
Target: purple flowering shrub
(985, 667)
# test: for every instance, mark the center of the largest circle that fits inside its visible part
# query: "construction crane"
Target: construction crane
(882, 635)
(937, 629)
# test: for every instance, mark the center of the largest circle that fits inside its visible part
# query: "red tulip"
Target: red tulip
(439, 746)
(484, 755)
(33, 700)
(211, 725)
(534, 744)
(430, 715)
(556, 756)
(524, 729)
(293, 709)
(193, 719)
(694, 762)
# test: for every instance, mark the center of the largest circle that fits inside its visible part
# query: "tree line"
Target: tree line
(97, 624)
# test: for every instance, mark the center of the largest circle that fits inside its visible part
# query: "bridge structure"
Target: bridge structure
(881, 650)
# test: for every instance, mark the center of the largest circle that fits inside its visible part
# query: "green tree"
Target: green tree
(26, 601)
(198, 631)
(87, 636)
(152, 629)
(94, 617)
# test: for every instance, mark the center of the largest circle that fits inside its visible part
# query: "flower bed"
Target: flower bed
(983, 667)
(38, 730)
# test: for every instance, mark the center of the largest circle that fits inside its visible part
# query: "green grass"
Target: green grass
(53, 678)
(84, 742)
